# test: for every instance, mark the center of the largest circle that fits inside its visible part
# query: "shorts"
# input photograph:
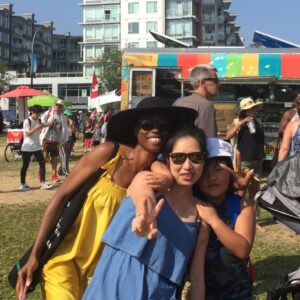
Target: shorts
(256, 165)
(88, 143)
(96, 143)
(51, 148)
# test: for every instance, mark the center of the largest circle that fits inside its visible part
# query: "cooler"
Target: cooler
(14, 135)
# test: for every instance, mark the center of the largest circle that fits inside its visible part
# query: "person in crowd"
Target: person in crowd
(32, 127)
(104, 128)
(291, 140)
(160, 262)
(93, 115)
(71, 131)
(205, 83)
(55, 135)
(141, 131)
(88, 136)
(96, 134)
(249, 139)
(232, 223)
(292, 114)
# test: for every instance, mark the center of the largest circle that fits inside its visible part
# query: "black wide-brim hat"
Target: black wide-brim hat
(121, 127)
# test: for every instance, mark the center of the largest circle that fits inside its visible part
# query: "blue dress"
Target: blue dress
(226, 276)
(135, 268)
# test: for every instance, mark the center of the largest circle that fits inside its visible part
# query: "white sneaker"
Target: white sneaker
(45, 186)
(24, 187)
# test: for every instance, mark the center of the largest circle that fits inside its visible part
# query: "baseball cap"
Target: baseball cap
(219, 148)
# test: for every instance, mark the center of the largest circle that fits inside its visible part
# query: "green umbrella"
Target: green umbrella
(45, 100)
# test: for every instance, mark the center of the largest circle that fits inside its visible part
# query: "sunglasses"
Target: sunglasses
(179, 158)
(148, 125)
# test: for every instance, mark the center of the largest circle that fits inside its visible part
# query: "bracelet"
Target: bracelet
(18, 266)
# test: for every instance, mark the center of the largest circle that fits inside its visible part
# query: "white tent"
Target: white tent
(102, 100)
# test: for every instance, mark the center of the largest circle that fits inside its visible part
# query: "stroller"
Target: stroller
(282, 199)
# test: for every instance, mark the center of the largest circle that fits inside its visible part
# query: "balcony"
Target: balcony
(208, 2)
(179, 13)
(208, 18)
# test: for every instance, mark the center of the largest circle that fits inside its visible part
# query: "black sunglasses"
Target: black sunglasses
(162, 125)
(195, 157)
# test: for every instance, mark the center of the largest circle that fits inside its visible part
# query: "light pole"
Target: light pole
(32, 48)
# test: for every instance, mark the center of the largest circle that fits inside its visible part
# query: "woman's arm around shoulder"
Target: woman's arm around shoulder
(87, 165)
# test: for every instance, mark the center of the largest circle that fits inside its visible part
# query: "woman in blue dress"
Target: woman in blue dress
(137, 268)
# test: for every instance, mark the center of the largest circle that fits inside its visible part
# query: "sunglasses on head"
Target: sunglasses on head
(162, 125)
(179, 158)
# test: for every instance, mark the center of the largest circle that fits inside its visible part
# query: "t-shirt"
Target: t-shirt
(31, 143)
(206, 119)
(55, 131)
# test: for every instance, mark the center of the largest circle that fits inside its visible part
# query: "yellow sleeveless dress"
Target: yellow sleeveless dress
(67, 273)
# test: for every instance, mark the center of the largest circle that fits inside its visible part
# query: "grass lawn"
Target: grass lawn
(276, 251)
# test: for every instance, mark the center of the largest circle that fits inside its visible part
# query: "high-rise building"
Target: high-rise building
(66, 53)
(24, 44)
(101, 30)
(126, 24)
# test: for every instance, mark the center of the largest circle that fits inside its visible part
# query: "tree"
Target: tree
(109, 68)
(4, 77)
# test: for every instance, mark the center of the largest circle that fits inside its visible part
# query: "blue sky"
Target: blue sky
(275, 17)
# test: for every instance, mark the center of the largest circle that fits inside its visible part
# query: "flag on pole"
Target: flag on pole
(95, 86)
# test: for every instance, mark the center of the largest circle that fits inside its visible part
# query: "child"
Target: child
(96, 134)
(232, 221)
(136, 268)
(88, 135)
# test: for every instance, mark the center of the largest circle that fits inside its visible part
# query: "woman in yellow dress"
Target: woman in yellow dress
(141, 132)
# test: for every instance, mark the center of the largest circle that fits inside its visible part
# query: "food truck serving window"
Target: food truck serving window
(142, 85)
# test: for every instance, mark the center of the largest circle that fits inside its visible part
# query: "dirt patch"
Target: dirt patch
(10, 179)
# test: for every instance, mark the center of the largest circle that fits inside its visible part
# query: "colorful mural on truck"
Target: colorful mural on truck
(283, 65)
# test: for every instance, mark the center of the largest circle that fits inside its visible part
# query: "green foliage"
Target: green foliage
(108, 69)
(4, 77)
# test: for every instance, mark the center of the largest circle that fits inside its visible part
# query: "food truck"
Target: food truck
(265, 74)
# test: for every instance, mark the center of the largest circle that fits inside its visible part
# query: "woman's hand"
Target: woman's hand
(25, 276)
(144, 223)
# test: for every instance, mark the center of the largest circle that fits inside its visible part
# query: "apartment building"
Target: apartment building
(18, 34)
(66, 53)
(101, 30)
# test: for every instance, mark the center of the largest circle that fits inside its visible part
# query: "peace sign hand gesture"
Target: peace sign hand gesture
(242, 178)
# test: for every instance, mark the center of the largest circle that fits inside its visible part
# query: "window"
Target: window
(4, 37)
(151, 25)
(151, 7)
(111, 32)
(133, 45)
(89, 52)
(107, 15)
(4, 21)
(152, 44)
(133, 8)
(89, 32)
(133, 27)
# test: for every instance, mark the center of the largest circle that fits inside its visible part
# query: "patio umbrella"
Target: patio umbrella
(45, 100)
(21, 93)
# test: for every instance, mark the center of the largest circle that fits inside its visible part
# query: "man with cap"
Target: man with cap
(292, 114)
(204, 80)
(55, 135)
(31, 146)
